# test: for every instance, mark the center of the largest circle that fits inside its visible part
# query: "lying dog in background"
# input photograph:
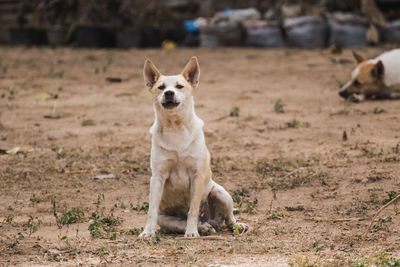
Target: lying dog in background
(183, 196)
(374, 78)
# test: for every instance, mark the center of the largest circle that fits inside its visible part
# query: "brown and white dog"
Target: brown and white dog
(183, 196)
(374, 78)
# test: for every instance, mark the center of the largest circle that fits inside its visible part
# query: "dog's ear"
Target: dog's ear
(150, 73)
(358, 57)
(378, 70)
(191, 72)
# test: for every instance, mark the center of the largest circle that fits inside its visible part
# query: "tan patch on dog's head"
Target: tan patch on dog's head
(366, 78)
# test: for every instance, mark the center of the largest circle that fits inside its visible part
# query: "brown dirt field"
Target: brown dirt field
(297, 166)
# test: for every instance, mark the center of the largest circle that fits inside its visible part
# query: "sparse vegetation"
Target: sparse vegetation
(305, 191)
(103, 226)
(234, 112)
(144, 206)
(241, 198)
(72, 216)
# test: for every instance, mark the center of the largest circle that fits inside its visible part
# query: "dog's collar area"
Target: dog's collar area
(170, 105)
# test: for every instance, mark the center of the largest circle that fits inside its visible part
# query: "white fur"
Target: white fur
(391, 63)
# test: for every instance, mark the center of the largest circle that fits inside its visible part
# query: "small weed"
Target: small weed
(293, 124)
(95, 228)
(379, 260)
(278, 107)
(302, 262)
(241, 198)
(244, 192)
(391, 195)
(34, 199)
(275, 216)
(373, 197)
(101, 225)
(134, 231)
(295, 208)
(234, 112)
(33, 224)
(289, 173)
(378, 110)
(396, 149)
(141, 207)
(371, 153)
(72, 216)
(391, 159)
(121, 204)
(102, 251)
(8, 219)
(236, 230)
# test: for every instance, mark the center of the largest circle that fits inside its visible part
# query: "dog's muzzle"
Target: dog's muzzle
(169, 100)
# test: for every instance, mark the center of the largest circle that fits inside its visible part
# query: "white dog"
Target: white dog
(374, 78)
(183, 196)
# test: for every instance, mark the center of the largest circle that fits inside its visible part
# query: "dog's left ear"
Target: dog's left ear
(378, 70)
(191, 72)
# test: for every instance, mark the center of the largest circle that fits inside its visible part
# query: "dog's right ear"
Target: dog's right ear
(150, 73)
(358, 57)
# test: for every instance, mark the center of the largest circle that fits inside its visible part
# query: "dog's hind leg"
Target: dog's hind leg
(178, 225)
(221, 206)
(172, 224)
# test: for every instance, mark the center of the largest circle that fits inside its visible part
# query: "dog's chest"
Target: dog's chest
(176, 194)
(173, 140)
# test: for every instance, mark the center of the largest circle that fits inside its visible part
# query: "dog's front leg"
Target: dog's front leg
(156, 191)
(196, 192)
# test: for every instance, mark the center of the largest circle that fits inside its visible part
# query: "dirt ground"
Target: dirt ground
(274, 125)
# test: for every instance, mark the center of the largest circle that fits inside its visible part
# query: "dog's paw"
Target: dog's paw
(240, 228)
(147, 235)
(192, 233)
(206, 229)
(356, 98)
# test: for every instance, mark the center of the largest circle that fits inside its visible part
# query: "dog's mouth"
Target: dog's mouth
(170, 104)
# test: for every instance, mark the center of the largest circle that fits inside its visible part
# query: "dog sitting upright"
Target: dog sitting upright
(374, 78)
(183, 196)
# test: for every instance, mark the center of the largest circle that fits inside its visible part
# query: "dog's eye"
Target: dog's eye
(178, 86)
(161, 87)
(356, 83)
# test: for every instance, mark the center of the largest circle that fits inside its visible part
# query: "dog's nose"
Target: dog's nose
(169, 95)
(343, 93)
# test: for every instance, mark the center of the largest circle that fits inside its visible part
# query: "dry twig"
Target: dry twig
(335, 220)
(381, 209)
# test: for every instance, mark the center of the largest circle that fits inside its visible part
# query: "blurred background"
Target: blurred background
(209, 23)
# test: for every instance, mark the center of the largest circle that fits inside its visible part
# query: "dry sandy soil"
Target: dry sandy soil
(308, 194)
